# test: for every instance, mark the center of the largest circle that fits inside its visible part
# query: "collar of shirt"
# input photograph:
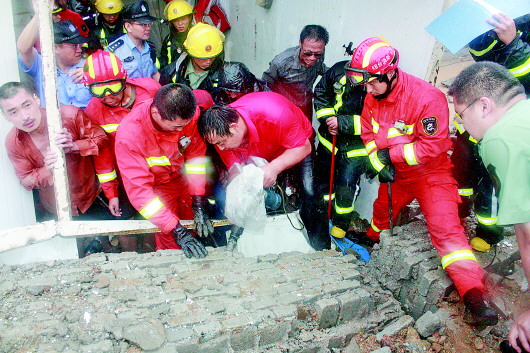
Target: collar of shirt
(80, 64)
(397, 92)
(296, 58)
(253, 135)
(129, 43)
(195, 77)
(145, 111)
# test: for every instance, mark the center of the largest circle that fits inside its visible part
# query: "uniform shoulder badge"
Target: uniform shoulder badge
(430, 125)
(184, 142)
(115, 45)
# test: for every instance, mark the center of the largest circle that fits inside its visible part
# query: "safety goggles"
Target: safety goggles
(102, 89)
(359, 76)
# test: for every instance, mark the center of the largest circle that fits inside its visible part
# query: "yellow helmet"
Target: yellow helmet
(176, 9)
(204, 41)
(109, 7)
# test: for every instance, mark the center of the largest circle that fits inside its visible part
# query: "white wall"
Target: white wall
(258, 34)
(16, 208)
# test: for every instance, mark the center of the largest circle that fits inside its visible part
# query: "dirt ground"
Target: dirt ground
(459, 336)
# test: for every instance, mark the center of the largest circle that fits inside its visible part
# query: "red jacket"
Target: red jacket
(413, 123)
(109, 118)
(29, 161)
(153, 169)
(275, 124)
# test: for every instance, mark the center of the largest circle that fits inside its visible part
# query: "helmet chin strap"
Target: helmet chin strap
(388, 82)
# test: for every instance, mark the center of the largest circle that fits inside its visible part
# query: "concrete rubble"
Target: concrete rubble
(163, 302)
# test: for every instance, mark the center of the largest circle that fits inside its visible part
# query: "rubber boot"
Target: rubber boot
(480, 308)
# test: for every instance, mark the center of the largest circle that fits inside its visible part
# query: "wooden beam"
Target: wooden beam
(22, 236)
(49, 69)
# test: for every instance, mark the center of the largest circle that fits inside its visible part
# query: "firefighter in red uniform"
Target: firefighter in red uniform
(161, 158)
(266, 125)
(405, 128)
(114, 95)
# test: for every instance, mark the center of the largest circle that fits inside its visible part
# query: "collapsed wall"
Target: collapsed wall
(163, 302)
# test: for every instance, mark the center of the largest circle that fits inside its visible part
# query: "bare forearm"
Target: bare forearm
(522, 231)
(291, 157)
(27, 40)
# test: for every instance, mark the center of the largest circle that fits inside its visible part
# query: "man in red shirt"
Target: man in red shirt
(266, 125)
(28, 149)
(405, 128)
(161, 158)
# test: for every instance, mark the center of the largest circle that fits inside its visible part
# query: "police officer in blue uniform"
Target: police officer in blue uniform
(137, 54)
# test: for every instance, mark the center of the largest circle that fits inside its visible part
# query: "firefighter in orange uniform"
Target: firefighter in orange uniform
(161, 158)
(113, 97)
(405, 128)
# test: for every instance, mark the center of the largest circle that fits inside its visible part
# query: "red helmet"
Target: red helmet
(373, 58)
(103, 66)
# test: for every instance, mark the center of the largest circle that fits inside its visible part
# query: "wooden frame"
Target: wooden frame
(21, 236)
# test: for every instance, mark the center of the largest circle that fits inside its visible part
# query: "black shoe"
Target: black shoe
(94, 246)
(360, 238)
(480, 308)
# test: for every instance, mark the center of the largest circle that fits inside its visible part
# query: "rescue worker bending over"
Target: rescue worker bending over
(109, 24)
(405, 128)
(114, 95)
(161, 158)
(179, 14)
(137, 54)
(204, 56)
(338, 107)
(266, 125)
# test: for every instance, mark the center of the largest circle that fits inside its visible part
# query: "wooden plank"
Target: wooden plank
(49, 69)
(80, 229)
(21, 236)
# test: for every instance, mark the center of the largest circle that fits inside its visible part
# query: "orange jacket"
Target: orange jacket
(412, 122)
(154, 169)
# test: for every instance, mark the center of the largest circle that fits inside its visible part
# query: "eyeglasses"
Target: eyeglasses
(309, 53)
(458, 116)
(73, 46)
(144, 25)
(359, 77)
(103, 89)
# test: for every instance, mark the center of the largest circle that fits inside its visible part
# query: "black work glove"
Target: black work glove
(202, 224)
(382, 165)
(191, 246)
(386, 175)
